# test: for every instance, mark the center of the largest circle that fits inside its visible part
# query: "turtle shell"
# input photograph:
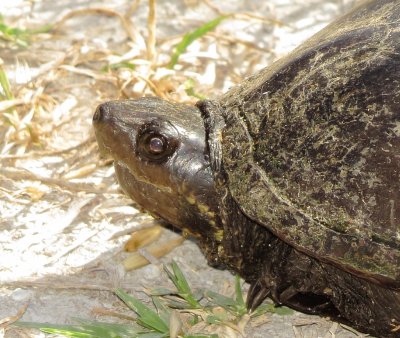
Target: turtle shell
(310, 147)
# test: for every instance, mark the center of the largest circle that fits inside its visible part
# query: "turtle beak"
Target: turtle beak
(113, 133)
(101, 119)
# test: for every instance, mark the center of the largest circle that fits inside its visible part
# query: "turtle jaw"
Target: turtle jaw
(158, 201)
(176, 205)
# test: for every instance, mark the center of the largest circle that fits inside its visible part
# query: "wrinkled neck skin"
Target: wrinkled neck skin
(244, 245)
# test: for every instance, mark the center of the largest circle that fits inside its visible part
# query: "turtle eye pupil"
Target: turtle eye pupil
(156, 145)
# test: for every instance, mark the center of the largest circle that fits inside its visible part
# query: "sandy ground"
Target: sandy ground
(63, 219)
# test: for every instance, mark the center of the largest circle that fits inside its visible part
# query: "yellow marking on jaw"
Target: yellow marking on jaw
(191, 199)
(186, 233)
(219, 235)
(203, 208)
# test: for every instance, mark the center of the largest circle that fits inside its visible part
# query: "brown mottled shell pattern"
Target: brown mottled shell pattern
(316, 138)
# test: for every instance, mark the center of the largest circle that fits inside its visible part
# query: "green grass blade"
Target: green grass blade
(229, 304)
(10, 116)
(239, 293)
(178, 304)
(220, 300)
(163, 311)
(177, 277)
(70, 332)
(20, 36)
(215, 319)
(147, 317)
(181, 282)
(85, 330)
(189, 38)
(162, 292)
(5, 91)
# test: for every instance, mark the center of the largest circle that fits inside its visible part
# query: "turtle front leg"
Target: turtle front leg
(300, 300)
(308, 302)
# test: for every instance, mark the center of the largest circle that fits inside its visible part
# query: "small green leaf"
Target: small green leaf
(147, 317)
(189, 38)
(195, 319)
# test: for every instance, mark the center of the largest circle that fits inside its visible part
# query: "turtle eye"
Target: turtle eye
(155, 146)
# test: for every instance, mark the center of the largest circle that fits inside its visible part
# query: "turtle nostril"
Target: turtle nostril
(100, 114)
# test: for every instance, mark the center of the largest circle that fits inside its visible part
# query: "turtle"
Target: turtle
(291, 178)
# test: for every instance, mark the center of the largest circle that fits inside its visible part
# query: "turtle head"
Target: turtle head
(161, 160)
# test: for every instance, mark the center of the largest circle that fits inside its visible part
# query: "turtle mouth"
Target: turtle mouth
(120, 165)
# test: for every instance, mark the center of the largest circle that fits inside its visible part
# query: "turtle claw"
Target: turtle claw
(256, 295)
